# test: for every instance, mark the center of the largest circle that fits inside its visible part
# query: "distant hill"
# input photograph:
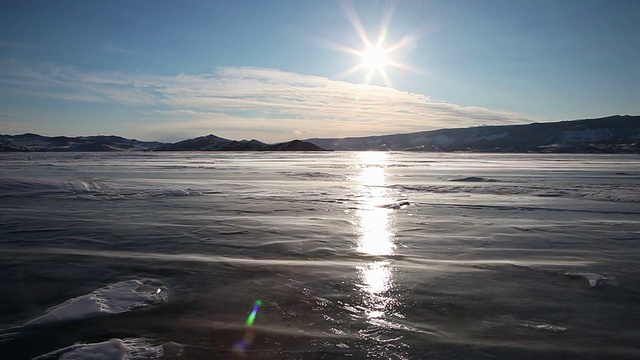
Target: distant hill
(38, 143)
(295, 145)
(604, 135)
(215, 143)
(613, 134)
(202, 143)
(35, 142)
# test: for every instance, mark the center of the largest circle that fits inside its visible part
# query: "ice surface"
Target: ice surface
(344, 265)
(87, 189)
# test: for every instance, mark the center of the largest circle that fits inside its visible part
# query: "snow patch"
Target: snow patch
(112, 299)
(495, 136)
(588, 135)
(442, 140)
(594, 279)
(474, 179)
(114, 349)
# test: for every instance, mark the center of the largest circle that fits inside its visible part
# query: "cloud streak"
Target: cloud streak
(251, 102)
(19, 45)
(119, 50)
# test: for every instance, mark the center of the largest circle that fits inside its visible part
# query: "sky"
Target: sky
(283, 69)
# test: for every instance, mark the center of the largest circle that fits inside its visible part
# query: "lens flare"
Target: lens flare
(243, 344)
(252, 317)
(376, 56)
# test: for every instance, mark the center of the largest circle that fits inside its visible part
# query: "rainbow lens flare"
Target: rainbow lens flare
(242, 345)
(252, 317)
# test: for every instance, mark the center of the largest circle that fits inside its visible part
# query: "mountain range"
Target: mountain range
(609, 134)
(613, 134)
(215, 143)
(39, 143)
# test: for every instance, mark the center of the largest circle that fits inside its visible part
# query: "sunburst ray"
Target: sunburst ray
(375, 56)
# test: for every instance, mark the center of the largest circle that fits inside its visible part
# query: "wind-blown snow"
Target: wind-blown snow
(112, 299)
(114, 349)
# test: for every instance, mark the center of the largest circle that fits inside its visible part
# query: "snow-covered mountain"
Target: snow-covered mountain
(215, 143)
(609, 134)
(34, 142)
(202, 143)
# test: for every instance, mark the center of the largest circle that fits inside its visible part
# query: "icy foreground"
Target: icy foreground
(155, 255)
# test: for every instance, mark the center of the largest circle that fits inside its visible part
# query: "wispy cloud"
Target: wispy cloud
(19, 45)
(70, 84)
(254, 102)
(119, 50)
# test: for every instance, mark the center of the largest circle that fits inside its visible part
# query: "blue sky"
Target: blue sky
(276, 70)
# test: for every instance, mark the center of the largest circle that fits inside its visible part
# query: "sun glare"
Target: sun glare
(376, 58)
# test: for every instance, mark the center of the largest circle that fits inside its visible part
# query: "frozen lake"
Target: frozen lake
(361, 254)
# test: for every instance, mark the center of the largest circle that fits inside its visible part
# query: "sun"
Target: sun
(376, 55)
(375, 58)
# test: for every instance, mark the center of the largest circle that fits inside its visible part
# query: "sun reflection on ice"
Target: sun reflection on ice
(377, 278)
(376, 234)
